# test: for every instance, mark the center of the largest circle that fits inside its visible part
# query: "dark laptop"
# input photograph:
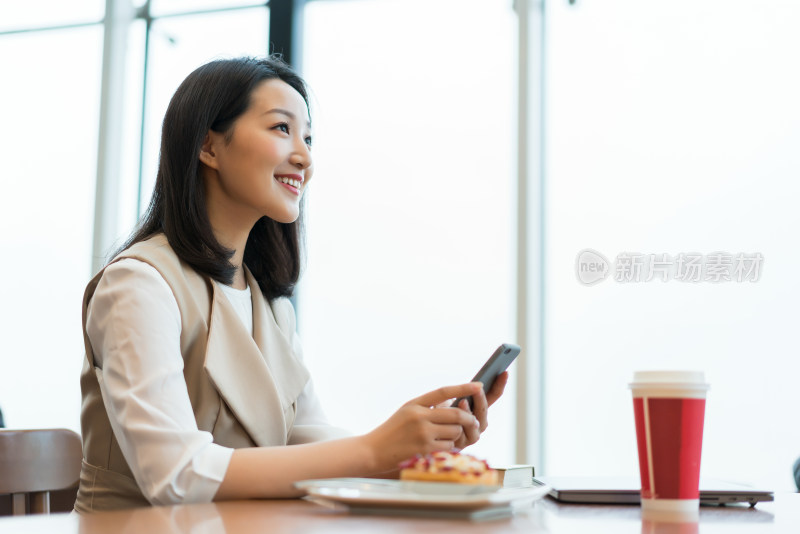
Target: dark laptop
(625, 490)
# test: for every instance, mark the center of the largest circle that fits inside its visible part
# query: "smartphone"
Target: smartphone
(496, 364)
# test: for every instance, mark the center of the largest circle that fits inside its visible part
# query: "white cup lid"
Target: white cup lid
(681, 379)
(669, 377)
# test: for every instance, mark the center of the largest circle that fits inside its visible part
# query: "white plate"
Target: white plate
(368, 492)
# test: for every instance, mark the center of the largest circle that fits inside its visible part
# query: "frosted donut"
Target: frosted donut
(448, 467)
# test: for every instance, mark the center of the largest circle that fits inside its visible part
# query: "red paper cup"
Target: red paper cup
(669, 408)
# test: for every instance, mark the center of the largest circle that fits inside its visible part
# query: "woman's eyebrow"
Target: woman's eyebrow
(287, 113)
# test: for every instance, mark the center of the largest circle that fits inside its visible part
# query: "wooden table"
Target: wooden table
(303, 517)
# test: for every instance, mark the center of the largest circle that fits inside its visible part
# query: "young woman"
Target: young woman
(193, 385)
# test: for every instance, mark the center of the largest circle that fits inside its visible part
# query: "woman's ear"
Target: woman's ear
(208, 156)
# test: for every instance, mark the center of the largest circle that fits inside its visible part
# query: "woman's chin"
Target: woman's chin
(285, 218)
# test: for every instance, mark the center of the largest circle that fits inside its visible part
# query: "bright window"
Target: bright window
(50, 115)
(42, 13)
(178, 45)
(673, 129)
(409, 284)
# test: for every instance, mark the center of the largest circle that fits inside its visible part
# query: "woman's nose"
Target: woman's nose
(301, 156)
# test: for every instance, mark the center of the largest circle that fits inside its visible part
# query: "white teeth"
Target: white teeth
(289, 181)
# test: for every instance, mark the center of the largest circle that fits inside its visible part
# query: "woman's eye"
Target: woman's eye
(282, 127)
(308, 140)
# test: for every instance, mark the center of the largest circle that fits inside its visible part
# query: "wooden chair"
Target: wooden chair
(35, 462)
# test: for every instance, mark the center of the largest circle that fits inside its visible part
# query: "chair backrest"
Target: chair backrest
(35, 462)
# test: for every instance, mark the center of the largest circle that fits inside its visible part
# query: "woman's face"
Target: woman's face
(265, 164)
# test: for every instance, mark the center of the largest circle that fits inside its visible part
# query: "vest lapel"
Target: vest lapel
(275, 344)
(243, 375)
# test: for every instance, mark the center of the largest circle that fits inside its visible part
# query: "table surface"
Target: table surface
(296, 516)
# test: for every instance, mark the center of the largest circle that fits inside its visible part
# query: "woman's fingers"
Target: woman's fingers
(445, 393)
(444, 445)
(448, 432)
(497, 388)
(471, 435)
(428, 423)
(480, 408)
(453, 424)
(452, 416)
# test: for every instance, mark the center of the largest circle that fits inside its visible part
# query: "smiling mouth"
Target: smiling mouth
(289, 181)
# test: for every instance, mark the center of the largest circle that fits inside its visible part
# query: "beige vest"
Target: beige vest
(242, 389)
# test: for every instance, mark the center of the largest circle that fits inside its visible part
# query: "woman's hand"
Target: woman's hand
(480, 404)
(427, 424)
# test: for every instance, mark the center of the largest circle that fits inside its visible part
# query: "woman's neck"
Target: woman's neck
(231, 225)
(234, 239)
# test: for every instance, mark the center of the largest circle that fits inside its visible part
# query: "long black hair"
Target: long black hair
(212, 98)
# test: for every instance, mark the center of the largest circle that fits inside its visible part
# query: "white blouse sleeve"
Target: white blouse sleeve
(133, 323)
